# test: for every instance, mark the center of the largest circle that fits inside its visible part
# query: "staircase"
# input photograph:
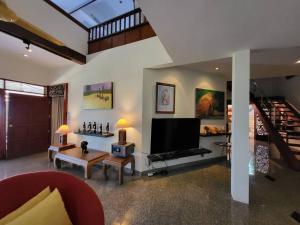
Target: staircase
(287, 124)
(283, 124)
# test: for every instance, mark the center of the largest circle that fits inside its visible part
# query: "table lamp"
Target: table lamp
(122, 124)
(63, 130)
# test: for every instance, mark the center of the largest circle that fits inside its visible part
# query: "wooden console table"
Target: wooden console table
(120, 163)
(75, 156)
(57, 148)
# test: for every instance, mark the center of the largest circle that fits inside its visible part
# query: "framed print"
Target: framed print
(210, 104)
(98, 96)
(165, 98)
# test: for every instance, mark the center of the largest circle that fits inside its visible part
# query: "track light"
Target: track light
(26, 42)
(28, 48)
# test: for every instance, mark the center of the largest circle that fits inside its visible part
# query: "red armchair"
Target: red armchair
(81, 202)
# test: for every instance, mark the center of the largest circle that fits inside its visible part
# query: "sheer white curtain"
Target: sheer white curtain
(57, 117)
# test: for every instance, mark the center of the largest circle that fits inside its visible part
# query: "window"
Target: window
(23, 87)
(94, 12)
(1, 84)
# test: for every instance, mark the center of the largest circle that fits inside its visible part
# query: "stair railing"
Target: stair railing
(266, 103)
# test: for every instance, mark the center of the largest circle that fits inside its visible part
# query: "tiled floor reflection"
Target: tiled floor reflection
(195, 196)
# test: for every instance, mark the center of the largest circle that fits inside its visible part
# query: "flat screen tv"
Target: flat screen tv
(176, 134)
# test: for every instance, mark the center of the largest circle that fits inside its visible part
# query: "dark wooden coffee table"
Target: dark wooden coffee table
(75, 156)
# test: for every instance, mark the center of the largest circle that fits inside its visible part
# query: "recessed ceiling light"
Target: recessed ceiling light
(217, 68)
(25, 55)
(298, 62)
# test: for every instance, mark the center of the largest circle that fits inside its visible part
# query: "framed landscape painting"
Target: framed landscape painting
(98, 96)
(210, 104)
(165, 98)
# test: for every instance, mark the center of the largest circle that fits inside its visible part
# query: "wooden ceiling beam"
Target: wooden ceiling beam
(23, 34)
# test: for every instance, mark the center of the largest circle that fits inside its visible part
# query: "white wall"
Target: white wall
(271, 86)
(124, 66)
(49, 19)
(280, 86)
(290, 89)
(186, 81)
(15, 68)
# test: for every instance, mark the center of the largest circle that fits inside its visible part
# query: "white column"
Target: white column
(240, 126)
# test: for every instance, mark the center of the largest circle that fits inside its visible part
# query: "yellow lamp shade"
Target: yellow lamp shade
(122, 123)
(63, 129)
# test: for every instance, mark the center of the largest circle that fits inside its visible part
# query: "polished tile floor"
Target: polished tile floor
(198, 195)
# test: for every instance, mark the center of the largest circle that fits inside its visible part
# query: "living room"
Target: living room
(105, 104)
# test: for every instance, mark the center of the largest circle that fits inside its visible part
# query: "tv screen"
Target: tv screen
(169, 135)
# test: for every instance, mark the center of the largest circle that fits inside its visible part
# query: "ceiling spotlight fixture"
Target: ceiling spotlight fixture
(298, 61)
(217, 68)
(25, 55)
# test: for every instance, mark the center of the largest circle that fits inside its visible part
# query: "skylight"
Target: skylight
(93, 12)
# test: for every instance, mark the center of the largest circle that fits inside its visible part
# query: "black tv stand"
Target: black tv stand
(178, 154)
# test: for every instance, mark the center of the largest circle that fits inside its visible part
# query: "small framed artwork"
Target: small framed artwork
(98, 96)
(165, 98)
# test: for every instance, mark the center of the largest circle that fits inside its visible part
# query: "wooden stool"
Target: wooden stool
(120, 163)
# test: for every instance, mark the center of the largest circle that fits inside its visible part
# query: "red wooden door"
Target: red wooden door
(28, 125)
(2, 125)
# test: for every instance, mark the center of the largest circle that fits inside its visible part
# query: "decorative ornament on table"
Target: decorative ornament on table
(84, 127)
(90, 127)
(94, 128)
(100, 129)
(84, 145)
(107, 128)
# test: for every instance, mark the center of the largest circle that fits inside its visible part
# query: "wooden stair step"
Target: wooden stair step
(294, 137)
(290, 125)
(280, 105)
(285, 111)
(291, 137)
(293, 133)
(294, 145)
(293, 122)
(288, 121)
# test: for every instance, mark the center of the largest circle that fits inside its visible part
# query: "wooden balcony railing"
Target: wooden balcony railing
(125, 29)
(117, 25)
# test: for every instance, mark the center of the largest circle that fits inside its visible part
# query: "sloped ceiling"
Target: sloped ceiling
(203, 30)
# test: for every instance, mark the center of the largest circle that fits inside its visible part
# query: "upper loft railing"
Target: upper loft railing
(117, 25)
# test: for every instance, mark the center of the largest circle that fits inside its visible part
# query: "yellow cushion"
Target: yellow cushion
(50, 211)
(25, 207)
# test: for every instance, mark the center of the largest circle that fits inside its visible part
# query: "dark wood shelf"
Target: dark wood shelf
(103, 135)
